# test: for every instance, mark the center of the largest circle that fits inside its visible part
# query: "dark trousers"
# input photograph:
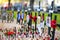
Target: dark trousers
(30, 22)
(53, 34)
(49, 30)
(18, 21)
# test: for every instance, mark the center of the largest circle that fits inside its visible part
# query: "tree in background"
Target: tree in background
(31, 4)
(9, 4)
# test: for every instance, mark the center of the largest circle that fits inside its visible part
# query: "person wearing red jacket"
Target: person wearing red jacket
(30, 16)
(30, 19)
(35, 20)
(48, 23)
(53, 25)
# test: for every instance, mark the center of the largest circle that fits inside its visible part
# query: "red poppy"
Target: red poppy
(18, 32)
(36, 32)
(10, 33)
(24, 33)
(56, 39)
(30, 32)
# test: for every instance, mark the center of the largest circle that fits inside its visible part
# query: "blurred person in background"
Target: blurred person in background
(4, 16)
(41, 27)
(7, 17)
(53, 25)
(38, 20)
(30, 19)
(18, 17)
(48, 23)
(27, 18)
(22, 16)
(10, 14)
(25, 14)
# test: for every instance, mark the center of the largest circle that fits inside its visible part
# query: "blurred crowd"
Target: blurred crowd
(31, 26)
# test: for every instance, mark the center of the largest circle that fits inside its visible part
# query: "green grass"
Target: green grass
(45, 14)
(58, 19)
(15, 14)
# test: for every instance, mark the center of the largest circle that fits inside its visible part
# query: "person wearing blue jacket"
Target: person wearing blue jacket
(18, 17)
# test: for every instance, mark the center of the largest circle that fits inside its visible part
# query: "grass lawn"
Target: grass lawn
(46, 14)
(58, 19)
